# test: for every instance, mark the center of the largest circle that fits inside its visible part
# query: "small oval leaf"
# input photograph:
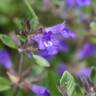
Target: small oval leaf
(41, 61)
(7, 41)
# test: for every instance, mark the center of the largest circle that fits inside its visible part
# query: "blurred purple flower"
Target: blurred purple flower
(5, 59)
(40, 91)
(61, 68)
(87, 51)
(84, 18)
(83, 3)
(84, 71)
(70, 3)
(78, 3)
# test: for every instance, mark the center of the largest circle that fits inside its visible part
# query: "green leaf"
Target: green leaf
(93, 25)
(41, 61)
(93, 74)
(52, 76)
(4, 84)
(37, 69)
(7, 41)
(71, 87)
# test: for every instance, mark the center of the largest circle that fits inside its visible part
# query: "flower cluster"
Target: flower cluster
(52, 39)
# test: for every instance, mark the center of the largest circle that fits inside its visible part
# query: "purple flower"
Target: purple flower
(61, 68)
(50, 45)
(83, 3)
(87, 51)
(51, 41)
(47, 43)
(5, 59)
(86, 71)
(40, 91)
(48, 54)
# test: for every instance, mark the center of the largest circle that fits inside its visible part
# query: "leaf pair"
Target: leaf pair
(41, 61)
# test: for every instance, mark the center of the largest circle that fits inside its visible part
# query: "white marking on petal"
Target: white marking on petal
(48, 43)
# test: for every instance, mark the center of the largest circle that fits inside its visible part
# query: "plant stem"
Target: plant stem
(20, 65)
(31, 10)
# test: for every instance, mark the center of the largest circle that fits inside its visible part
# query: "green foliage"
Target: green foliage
(93, 25)
(2, 5)
(4, 84)
(41, 61)
(7, 41)
(34, 23)
(71, 87)
(51, 82)
(4, 20)
(35, 18)
(93, 39)
(37, 69)
(18, 23)
(93, 74)
(12, 14)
